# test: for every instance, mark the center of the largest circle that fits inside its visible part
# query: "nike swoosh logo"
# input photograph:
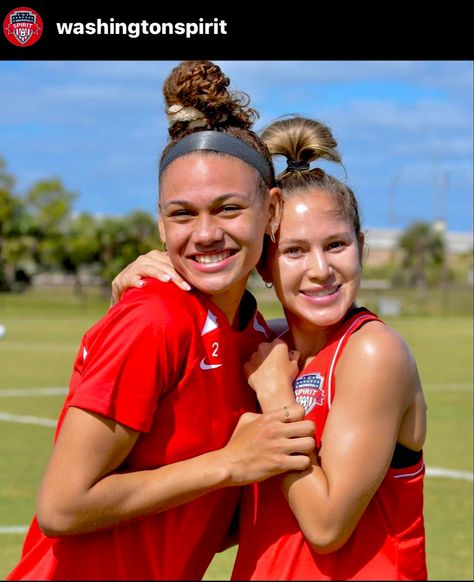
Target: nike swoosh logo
(205, 366)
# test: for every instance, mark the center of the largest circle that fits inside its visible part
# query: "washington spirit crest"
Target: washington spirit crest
(309, 391)
(23, 26)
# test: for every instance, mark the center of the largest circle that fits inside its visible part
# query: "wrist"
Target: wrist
(223, 469)
(275, 396)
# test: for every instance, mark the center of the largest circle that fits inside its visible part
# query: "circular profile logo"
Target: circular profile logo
(23, 26)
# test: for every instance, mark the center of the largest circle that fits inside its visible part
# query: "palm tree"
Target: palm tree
(424, 249)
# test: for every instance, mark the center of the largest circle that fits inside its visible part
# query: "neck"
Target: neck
(307, 340)
(229, 302)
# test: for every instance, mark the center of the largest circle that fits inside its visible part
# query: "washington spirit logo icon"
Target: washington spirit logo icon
(23, 26)
(309, 391)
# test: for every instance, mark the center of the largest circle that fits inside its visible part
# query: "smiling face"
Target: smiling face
(316, 265)
(213, 218)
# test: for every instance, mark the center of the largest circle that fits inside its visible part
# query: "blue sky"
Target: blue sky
(404, 129)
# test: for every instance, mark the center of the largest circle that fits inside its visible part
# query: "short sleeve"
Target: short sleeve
(129, 359)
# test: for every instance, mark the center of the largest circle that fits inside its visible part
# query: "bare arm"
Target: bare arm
(83, 491)
(376, 383)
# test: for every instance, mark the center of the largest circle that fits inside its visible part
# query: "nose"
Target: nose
(319, 267)
(206, 231)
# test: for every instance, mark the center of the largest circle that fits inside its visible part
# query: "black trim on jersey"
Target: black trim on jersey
(247, 310)
(404, 457)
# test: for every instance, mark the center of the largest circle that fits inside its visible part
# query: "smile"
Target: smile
(213, 258)
(321, 292)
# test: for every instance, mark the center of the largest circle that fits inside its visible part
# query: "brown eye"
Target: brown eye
(293, 251)
(336, 245)
(230, 209)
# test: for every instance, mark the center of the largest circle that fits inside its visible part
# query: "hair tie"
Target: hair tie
(293, 165)
(194, 117)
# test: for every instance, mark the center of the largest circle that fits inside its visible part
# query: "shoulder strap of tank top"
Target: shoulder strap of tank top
(356, 319)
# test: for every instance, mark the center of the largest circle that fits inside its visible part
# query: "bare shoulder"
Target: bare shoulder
(379, 353)
(376, 340)
(379, 363)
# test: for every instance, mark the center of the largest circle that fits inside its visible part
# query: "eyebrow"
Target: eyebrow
(218, 200)
(299, 241)
(293, 241)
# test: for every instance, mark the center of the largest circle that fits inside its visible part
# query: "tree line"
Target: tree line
(40, 232)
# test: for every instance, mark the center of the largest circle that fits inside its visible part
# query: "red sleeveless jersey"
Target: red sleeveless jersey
(388, 543)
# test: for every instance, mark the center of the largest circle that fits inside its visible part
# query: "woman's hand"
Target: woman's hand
(264, 445)
(270, 372)
(153, 264)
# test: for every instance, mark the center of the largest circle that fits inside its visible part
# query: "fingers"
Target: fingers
(161, 271)
(154, 264)
(289, 413)
(299, 429)
(298, 462)
(263, 445)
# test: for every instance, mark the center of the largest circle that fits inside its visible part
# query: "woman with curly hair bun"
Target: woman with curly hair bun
(155, 438)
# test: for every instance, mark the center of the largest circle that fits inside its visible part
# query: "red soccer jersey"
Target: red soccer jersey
(388, 542)
(166, 363)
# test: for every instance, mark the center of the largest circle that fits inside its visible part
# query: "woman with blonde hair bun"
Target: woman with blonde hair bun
(357, 512)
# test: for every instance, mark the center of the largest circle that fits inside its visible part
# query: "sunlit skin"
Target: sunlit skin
(213, 218)
(316, 266)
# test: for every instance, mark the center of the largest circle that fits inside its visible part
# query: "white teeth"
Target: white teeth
(212, 258)
(322, 293)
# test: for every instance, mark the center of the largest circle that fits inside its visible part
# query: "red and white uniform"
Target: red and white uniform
(165, 363)
(389, 540)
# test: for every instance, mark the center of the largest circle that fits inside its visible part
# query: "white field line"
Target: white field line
(449, 387)
(13, 529)
(21, 529)
(21, 392)
(34, 347)
(430, 472)
(449, 474)
(20, 419)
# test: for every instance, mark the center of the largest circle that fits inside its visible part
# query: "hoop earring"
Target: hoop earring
(163, 246)
(268, 285)
(272, 236)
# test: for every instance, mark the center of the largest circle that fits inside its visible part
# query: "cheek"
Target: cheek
(176, 236)
(285, 276)
(354, 266)
(249, 232)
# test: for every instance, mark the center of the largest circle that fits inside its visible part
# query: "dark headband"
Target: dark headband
(217, 141)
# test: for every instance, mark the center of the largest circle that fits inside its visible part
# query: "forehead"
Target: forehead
(206, 174)
(314, 207)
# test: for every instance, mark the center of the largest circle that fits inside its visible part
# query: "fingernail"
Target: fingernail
(141, 283)
(165, 278)
(186, 286)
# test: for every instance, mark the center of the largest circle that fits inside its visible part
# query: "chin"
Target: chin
(325, 318)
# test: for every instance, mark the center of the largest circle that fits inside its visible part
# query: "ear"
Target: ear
(275, 210)
(161, 229)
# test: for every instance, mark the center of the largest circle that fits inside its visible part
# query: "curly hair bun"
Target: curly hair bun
(197, 95)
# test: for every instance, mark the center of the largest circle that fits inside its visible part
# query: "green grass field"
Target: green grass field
(43, 333)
